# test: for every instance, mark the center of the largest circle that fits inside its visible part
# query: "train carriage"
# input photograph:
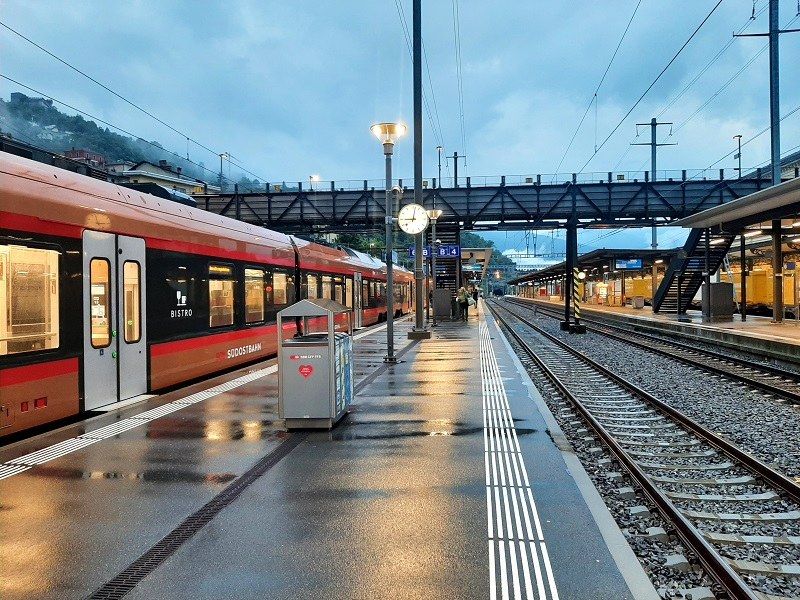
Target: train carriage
(108, 294)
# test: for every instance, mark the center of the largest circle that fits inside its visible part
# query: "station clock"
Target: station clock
(412, 219)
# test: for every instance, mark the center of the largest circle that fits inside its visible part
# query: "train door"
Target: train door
(357, 300)
(115, 356)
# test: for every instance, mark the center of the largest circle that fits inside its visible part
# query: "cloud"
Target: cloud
(291, 88)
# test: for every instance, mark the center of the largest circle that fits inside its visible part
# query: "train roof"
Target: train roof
(48, 200)
(376, 263)
(37, 193)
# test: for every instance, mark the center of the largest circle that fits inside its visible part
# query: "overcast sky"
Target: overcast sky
(290, 89)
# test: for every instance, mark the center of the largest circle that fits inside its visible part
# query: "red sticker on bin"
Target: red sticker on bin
(294, 357)
(306, 370)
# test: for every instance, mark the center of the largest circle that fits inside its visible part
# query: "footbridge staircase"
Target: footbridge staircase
(702, 254)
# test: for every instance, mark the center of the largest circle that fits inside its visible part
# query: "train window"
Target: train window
(282, 289)
(254, 287)
(338, 289)
(28, 299)
(220, 295)
(310, 286)
(132, 301)
(99, 278)
(327, 291)
(365, 297)
(380, 292)
(348, 294)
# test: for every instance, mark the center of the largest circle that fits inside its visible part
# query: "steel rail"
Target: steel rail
(747, 379)
(760, 468)
(717, 567)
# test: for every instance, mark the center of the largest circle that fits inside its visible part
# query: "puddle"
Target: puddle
(213, 429)
(391, 430)
(157, 476)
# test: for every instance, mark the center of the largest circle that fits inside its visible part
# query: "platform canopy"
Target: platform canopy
(475, 262)
(599, 262)
(760, 208)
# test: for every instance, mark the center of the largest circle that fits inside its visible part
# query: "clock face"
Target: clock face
(412, 218)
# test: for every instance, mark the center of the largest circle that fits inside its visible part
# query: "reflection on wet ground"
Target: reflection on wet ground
(421, 393)
(386, 430)
(212, 429)
(158, 476)
(353, 429)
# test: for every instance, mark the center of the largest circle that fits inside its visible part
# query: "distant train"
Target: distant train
(108, 294)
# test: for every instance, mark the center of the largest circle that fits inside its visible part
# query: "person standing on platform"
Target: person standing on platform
(463, 301)
(475, 295)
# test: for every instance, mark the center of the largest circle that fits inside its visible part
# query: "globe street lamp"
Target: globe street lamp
(387, 134)
(433, 215)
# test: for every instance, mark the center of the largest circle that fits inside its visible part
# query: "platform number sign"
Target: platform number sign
(444, 252)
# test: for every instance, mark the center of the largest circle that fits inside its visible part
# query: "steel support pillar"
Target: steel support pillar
(777, 270)
(743, 267)
(572, 262)
(707, 277)
(419, 331)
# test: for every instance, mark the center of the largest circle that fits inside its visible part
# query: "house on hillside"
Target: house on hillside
(162, 174)
(87, 157)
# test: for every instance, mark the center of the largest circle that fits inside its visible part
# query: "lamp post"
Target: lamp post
(221, 156)
(312, 179)
(433, 215)
(387, 134)
(738, 154)
(428, 293)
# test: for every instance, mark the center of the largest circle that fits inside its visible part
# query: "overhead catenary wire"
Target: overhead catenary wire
(670, 239)
(691, 83)
(658, 77)
(436, 127)
(741, 70)
(725, 85)
(767, 162)
(105, 87)
(709, 64)
(98, 119)
(117, 128)
(597, 89)
(136, 106)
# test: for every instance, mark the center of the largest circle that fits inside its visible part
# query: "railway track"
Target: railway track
(768, 378)
(740, 518)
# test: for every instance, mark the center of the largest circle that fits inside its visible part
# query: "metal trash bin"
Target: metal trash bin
(315, 368)
(637, 302)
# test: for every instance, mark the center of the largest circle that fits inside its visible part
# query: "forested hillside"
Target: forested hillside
(36, 121)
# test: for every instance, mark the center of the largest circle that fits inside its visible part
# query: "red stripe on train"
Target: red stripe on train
(37, 372)
(189, 248)
(37, 225)
(220, 338)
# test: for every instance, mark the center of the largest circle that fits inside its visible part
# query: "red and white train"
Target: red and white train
(107, 293)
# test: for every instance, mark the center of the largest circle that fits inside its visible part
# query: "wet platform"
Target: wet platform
(449, 479)
(757, 334)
